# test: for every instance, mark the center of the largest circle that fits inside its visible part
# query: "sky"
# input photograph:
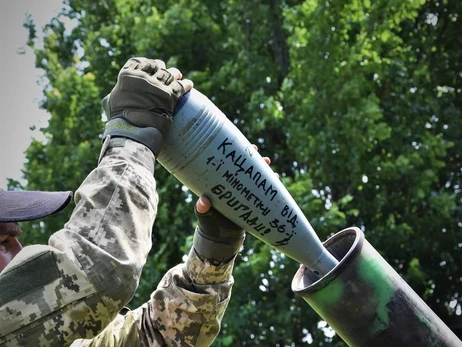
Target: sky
(19, 91)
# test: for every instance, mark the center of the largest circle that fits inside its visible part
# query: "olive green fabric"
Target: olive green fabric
(98, 256)
(186, 309)
(36, 272)
(140, 106)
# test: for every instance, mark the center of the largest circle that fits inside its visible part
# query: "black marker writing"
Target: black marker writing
(239, 161)
(236, 205)
(292, 217)
(235, 183)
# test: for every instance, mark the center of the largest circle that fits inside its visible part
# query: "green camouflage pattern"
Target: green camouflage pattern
(366, 302)
(93, 264)
(186, 309)
(69, 291)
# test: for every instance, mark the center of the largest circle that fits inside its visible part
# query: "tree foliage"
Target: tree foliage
(358, 103)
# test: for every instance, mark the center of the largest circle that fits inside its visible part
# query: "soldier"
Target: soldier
(73, 290)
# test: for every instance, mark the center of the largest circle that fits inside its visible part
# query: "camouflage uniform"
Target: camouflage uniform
(74, 287)
(185, 310)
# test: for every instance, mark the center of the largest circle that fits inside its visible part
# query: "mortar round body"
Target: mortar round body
(210, 156)
(366, 302)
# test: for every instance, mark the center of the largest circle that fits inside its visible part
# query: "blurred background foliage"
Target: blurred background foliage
(358, 103)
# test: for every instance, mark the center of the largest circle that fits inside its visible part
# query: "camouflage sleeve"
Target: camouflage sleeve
(75, 286)
(189, 304)
(185, 310)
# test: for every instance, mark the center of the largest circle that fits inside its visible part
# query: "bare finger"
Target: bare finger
(187, 84)
(203, 204)
(175, 73)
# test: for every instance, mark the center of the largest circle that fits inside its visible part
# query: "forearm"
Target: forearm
(185, 310)
(92, 266)
(188, 305)
(110, 229)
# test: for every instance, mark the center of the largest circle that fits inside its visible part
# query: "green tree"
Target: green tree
(357, 102)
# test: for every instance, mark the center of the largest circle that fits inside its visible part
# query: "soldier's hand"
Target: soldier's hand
(140, 106)
(217, 238)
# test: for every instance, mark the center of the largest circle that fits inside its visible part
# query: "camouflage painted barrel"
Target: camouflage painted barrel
(366, 302)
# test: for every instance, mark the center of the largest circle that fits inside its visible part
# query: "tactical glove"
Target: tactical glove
(140, 107)
(217, 238)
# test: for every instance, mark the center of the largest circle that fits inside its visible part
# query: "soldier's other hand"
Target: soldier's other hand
(217, 238)
(141, 104)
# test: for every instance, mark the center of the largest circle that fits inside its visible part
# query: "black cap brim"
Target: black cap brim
(22, 206)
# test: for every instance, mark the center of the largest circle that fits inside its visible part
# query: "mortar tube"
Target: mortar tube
(366, 302)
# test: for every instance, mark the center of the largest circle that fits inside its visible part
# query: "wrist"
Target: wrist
(148, 136)
(120, 148)
(217, 249)
(202, 271)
